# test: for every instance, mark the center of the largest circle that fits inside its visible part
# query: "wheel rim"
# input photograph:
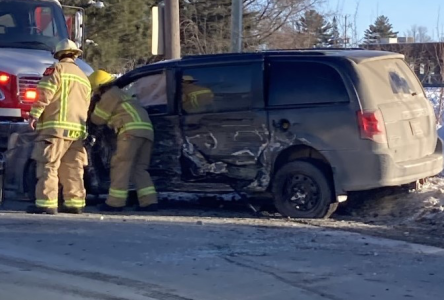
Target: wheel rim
(302, 193)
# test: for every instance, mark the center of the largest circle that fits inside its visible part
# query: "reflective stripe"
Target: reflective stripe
(77, 78)
(75, 203)
(36, 112)
(61, 125)
(101, 113)
(193, 96)
(194, 102)
(46, 203)
(198, 93)
(47, 86)
(66, 80)
(130, 110)
(64, 100)
(146, 191)
(122, 194)
(136, 126)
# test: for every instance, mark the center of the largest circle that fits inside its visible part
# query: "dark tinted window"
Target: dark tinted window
(305, 83)
(217, 89)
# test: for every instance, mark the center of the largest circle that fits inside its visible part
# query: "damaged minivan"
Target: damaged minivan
(304, 127)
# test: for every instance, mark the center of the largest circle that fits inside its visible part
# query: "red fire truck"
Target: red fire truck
(29, 32)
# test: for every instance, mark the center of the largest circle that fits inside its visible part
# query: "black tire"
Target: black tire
(30, 182)
(296, 181)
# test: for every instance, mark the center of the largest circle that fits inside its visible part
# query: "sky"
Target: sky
(401, 13)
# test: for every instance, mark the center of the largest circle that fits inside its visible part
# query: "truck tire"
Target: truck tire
(301, 189)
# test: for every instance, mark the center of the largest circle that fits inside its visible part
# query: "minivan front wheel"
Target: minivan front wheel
(302, 190)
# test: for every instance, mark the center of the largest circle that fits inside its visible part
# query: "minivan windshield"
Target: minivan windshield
(31, 24)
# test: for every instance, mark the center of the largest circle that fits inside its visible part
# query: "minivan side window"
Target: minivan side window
(151, 92)
(216, 89)
(302, 83)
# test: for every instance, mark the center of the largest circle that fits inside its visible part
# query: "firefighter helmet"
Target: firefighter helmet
(66, 46)
(99, 77)
(188, 78)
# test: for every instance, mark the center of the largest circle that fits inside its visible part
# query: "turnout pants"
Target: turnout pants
(130, 163)
(59, 160)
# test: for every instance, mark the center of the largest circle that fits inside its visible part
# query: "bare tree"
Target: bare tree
(419, 33)
(276, 22)
(356, 41)
(205, 24)
(348, 26)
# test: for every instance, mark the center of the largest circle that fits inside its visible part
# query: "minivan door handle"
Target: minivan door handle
(282, 124)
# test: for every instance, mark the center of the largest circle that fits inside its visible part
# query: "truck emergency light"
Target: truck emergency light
(31, 95)
(4, 78)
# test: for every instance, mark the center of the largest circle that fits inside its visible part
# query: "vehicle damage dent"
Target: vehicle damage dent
(199, 165)
(240, 161)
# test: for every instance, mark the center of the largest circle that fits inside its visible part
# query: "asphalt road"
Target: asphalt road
(167, 258)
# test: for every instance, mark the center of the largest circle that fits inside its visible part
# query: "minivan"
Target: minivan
(304, 127)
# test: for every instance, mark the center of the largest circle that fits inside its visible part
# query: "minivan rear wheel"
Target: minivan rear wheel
(301, 189)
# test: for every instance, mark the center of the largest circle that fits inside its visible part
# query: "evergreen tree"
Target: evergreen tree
(335, 40)
(317, 30)
(382, 28)
(121, 31)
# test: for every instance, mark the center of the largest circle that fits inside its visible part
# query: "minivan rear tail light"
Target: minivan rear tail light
(372, 126)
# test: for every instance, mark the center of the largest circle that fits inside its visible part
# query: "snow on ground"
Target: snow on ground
(434, 94)
(428, 203)
(421, 207)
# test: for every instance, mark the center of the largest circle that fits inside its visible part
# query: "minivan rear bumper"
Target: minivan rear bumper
(361, 170)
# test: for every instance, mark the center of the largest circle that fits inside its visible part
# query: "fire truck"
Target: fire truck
(29, 32)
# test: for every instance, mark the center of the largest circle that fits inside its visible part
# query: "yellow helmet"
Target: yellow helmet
(66, 46)
(188, 78)
(97, 78)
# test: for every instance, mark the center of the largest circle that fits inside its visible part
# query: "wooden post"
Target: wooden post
(172, 29)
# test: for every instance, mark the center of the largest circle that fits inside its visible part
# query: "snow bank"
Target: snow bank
(425, 206)
(434, 95)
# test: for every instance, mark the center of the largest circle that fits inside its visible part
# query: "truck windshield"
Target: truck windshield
(31, 24)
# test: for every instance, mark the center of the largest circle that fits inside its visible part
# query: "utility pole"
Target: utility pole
(345, 32)
(236, 25)
(172, 29)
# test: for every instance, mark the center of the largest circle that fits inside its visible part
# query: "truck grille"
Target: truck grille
(26, 82)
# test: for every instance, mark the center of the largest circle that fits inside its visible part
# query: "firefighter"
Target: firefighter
(59, 116)
(135, 137)
(195, 98)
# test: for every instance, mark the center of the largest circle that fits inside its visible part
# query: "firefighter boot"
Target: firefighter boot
(32, 209)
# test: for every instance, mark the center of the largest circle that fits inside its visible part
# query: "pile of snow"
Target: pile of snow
(434, 95)
(424, 206)
(427, 205)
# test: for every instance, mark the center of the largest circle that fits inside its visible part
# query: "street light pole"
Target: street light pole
(172, 29)
(236, 25)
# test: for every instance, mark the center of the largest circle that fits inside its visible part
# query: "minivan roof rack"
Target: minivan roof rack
(301, 51)
(312, 49)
